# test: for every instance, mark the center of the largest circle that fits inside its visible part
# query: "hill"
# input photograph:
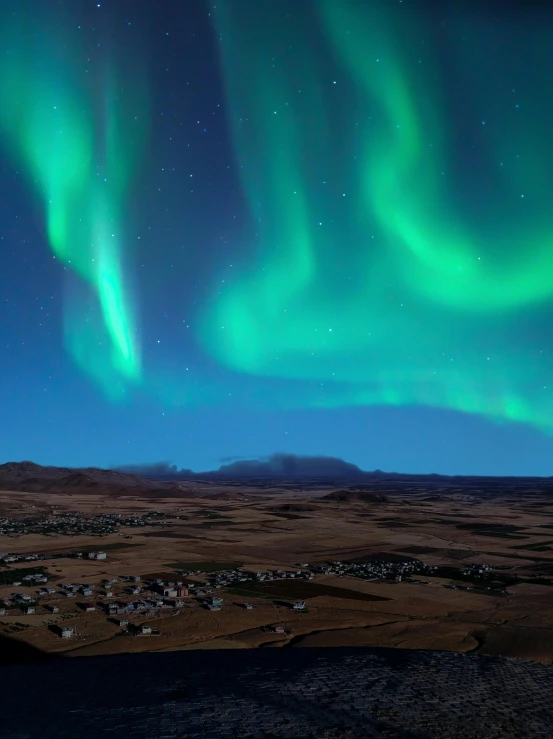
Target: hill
(34, 478)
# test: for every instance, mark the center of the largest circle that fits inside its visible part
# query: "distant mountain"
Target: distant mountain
(279, 467)
(34, 478)
(290, 466)
(279, 471)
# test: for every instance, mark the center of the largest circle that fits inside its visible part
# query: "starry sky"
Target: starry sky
(237, 228)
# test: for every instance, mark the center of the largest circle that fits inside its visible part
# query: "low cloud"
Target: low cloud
(152, 469)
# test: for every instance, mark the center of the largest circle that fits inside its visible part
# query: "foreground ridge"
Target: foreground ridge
(331, 693)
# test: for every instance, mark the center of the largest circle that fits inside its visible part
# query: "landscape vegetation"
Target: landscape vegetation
(421, 562)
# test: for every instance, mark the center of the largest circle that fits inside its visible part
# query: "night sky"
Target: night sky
(312, 226)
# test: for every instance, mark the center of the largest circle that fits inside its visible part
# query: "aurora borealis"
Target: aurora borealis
(72, 131)
(280, 214)
(369, 273)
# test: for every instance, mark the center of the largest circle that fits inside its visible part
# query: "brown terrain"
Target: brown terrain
(447, 523)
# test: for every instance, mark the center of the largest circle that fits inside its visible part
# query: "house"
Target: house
(67, 631)
(123, 622)
(86, 591)
(169, 592)
(29, 610)
(109, 593)
(182, 592)
(97, 555)
(299, 605)
(145, 630)
(216, 601)
(279, 630)
(89, 607)
(213, 607)
(136, 578)
(248, 606)
(55, 609)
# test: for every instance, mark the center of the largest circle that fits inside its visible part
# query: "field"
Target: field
(203, 566)
(272, 526)
(298, 589)
(107, 547)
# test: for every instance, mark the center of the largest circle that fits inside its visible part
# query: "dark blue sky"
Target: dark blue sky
(186, 224)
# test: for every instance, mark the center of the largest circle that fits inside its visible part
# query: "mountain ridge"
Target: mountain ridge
(34, 478)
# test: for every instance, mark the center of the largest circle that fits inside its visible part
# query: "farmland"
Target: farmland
(405, 567)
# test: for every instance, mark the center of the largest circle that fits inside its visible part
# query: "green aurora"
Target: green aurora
(398, 248)
(373, 274)
(78, 147)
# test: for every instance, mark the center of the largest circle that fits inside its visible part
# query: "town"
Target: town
(62, 523)
(134, 601)
(216, 572)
